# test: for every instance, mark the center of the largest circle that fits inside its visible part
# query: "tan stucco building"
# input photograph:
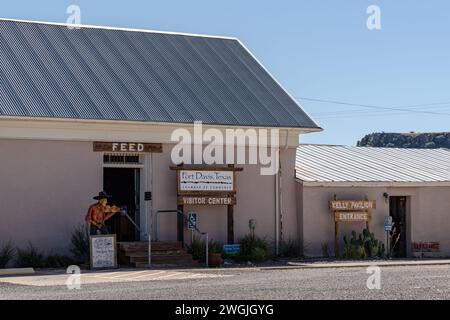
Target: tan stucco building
(69, 92)
(94, 108)
(410, 185)
(47, 186)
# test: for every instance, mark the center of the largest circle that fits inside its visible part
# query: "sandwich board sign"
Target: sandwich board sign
(103, 251)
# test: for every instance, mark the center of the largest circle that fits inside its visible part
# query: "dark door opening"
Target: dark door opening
(397, 210)
(123, 185)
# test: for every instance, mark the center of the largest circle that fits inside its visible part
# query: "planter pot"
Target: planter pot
(215, 260)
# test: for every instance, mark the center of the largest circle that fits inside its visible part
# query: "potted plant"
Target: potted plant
(215, 254)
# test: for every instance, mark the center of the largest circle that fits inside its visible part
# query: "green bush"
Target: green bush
(259, 255)
(58, 261)
(365, 246)
(325, 250)
(253, 248)
(7, 253)
(373, 247)
(80, 244)
(30, 257)
(215, 247)
(291, 249)
(198, 248)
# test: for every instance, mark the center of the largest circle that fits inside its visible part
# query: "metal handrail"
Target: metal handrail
(124, 212)
(156, 236)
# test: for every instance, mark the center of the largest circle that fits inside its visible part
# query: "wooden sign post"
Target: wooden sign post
(207, 185)
(349, 211)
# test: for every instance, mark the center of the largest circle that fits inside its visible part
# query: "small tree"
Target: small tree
(80, 244)
(7, 253)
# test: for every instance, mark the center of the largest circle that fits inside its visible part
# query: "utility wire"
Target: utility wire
(410, 109)
(361, 114)
(352, 111)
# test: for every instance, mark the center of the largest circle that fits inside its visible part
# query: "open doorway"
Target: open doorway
(397, 210)
(123, 184)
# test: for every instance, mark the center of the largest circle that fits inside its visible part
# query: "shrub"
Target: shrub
(365, 246)
(259, 255)
(80, 244)
(30, 257)
(58, 261)
(198, 248)
(7, 253)
(291, 249)
(215, 247)
(325, 250)
(253, 249)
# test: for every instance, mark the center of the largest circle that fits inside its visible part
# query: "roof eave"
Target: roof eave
(160, 123)
(374, 184)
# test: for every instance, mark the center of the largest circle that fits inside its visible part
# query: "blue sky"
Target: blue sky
(316, 49)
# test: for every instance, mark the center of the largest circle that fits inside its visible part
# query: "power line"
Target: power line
(410, 109)
(365, 113)
(359, 111)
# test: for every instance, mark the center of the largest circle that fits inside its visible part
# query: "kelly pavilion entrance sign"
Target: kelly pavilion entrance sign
(207, 186)
(349, 211)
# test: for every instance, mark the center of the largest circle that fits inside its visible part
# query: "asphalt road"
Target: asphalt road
(411, 282)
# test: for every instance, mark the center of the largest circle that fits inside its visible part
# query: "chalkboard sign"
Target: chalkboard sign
(103, 251)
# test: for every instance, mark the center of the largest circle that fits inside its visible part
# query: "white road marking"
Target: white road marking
(168, 275)
(147, 274)
(122, 274)
(109, 277)
(100, 274)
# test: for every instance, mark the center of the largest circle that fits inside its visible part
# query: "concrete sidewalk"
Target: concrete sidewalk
(16, 271)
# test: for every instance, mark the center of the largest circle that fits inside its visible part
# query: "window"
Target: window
(121, 158)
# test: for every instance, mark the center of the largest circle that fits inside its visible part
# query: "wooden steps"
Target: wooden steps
(164, 254)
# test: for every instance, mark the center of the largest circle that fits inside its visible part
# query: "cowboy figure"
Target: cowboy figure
(100, 212)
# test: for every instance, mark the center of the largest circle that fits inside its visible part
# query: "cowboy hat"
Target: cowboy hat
(102, 195)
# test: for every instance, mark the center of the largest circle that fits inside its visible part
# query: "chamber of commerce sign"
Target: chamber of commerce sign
(206, 185)
(202, 180)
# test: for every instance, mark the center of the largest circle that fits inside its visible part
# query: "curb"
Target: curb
(293, 265)
(290, 266)
(16, 271)
(296, 266)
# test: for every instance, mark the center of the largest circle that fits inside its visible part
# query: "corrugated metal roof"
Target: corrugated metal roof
(325, 163)
(49, 70)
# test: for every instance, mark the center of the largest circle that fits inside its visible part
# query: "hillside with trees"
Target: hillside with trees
(406, 140)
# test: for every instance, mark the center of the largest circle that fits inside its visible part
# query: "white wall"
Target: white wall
(45, 190)
(47, 186)
(427, 216)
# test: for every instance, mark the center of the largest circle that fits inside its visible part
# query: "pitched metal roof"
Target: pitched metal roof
(325, 163)
(48, 70)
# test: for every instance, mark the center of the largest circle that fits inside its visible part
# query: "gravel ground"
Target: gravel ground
(407, 282)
